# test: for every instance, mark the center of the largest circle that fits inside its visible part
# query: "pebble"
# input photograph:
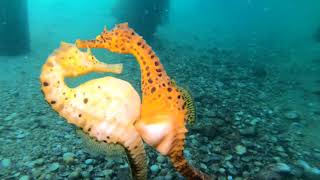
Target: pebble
(168, 177)
(240, 150)
(219, 84)
(37, 162)
(228, 157)
(280, 149)
(36, 172)
(273, 139)
(54, 167)
(246, 159)
(11, 116)
(107, 172)
(159, 178)
(295, 126)
(110, 164)
(316, 150)
(154, 168)
(292, 115)
(249, 131)
(254, 121)
(203, 166)
(228, 164)
(161, 159)
(257, 163)
(281, 168)
(89, 161)
(219, 122)
(311, 173)
(123, 173)
(21, 136)
(316, 156)
(212, 158)
(222, 170)
(25, 177)
(6, 163)
(69, 158)
(74, 175)
(187, 153)
(86, 174)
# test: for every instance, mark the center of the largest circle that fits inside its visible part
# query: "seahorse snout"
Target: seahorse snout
(106, 68)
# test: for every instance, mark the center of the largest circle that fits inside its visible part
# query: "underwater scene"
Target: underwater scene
(160, 89)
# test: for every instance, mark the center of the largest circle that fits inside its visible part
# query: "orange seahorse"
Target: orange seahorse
(104, 108)
(164, 108)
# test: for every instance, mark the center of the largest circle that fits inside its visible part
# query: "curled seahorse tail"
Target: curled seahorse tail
(131, 143)
(137, 159)
(127, 136)
(185, 169)
(136, 153)
(180, 163)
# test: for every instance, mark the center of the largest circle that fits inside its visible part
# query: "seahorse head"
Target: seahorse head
(75, 62)
(119, 39)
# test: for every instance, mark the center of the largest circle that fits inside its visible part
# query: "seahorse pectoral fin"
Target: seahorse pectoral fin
(95, 147)
(105, 29)
(108, 68)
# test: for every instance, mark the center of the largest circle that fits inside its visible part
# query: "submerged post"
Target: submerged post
(14, 27)
(316, 35)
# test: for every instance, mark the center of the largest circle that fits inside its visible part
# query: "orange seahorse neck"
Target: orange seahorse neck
(125, 41)
(163, 111)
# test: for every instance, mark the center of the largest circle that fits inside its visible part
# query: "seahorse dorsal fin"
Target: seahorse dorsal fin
(105, 30)
(191, 110)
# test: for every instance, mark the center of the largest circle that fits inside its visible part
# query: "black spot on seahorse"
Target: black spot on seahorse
(153, 89)
(85, 100)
